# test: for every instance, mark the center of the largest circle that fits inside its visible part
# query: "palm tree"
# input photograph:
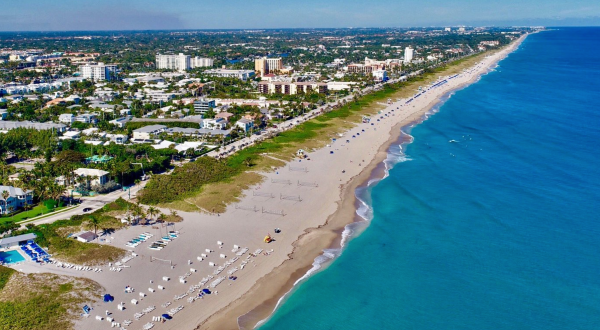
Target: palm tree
(138, 212)
(5, 195)
(4, 167)
(27, 206)
(94, 222)
(161, 218)
(128, 218)
(56, 191)
(248, 161)
(152, 211)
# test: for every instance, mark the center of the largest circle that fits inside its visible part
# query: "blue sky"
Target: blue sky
(43, 15)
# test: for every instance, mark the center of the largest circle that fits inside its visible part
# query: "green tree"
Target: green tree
(152, 211)
(5, 195)
(248, 161)
(94, 222)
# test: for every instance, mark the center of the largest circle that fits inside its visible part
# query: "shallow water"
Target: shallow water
(498, 230)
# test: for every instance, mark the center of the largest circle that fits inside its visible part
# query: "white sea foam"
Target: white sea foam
(395, 156)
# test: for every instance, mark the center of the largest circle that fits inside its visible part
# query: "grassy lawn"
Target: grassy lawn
(34, 212)
(5, 274)
(42, 301)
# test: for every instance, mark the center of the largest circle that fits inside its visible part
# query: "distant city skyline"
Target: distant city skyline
(78, 15)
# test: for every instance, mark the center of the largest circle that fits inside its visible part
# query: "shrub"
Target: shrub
(105, 188)
(185, 180)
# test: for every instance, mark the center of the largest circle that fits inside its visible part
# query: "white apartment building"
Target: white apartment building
(408, 54)
(380, 75)
(291, 88)
(179, 62)
(214, 123)
(240, 74)
(203, 105)
(99, 71)
(200, 62)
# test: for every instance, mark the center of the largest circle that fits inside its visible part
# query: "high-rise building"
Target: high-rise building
(408, 54)
(199, 62)
(179, 62)
(265, 65)
(99, 71)
(260, 66)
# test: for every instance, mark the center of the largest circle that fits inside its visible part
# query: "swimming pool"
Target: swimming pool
(11, 257)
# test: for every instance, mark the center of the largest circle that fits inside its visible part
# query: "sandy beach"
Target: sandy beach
(310, 201)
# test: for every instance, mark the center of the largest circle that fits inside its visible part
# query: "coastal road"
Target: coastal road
(283, 126)
(93, 202)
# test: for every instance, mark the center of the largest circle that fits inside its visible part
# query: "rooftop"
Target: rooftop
(90, 172)
(17, 239)
(150, 128)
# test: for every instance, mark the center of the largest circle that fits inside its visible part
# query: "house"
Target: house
(160, 96)
(87, 118)
(73, 98)
(164, 144)
(94, 176)
(185, 131)
(146, 132)
(3, 114)
(92, 131)
(16, 198)
(245, 124)
(6, 126)
(14, 177)
(70, 135)
(86, 237)
(120, 122)
(184, 147)
(224, 115)
(14, 241)
(216, 123)
(57, 101)
(117, 138)
(66, 118)
(102, 106)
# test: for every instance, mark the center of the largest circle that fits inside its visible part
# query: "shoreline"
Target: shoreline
(258, 304)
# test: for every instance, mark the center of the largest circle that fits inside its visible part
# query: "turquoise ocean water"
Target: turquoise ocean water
(499, 230)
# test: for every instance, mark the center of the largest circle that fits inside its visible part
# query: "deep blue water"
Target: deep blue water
(500, 230)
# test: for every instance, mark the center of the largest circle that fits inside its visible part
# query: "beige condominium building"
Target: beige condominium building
(265, 65)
